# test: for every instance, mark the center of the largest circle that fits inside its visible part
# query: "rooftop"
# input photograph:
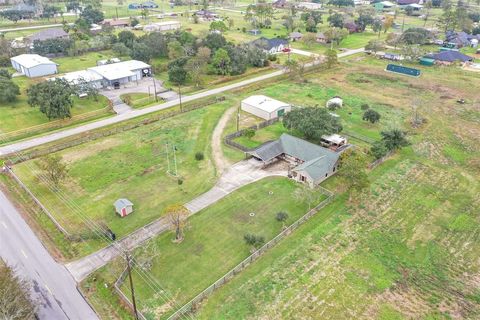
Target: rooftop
(114, 71)
(268, 44)
(265, 103)
(48, 34)
(450, 56)
(76, 76)
(31, 60)
(122, 203)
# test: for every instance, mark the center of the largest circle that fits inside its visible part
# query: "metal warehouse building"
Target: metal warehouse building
(265, 107)
(120, 73)
(33, 65)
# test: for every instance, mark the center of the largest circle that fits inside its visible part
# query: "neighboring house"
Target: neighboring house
(280, 4)
(205, 14)
(321, 38)
(309, 163)
(123, 207)
(162, 26)
(120, 73)
(295, 36)
(415, 6)
(407, 2)
(461, 39)
(391, 56)
(271, 46)
(47, 34)
(449, 57)
(144, 5)
(351, 27)
(33, 65)
(361, 2)
(265, 107)
(309, 5)
(117, 23)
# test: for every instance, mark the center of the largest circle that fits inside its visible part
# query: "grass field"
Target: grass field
(131, 164)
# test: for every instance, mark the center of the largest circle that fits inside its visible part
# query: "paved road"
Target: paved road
(23, 145)
(52, 285)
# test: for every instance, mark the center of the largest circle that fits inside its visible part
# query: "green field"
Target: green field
(131, 164)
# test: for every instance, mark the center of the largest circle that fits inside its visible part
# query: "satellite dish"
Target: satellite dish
(146, 71)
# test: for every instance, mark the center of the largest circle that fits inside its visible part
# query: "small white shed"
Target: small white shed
(123, 207)
(335, 101)
(265, 107)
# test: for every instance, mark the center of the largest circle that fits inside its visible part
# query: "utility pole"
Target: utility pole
(180, 97)
(131, 285)
(168, 159)
(116, 11)
(154, 86)
(175, 159)
(238, 119)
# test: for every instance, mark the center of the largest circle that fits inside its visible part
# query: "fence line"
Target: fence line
(44, 209)
(192, 304)
(122, 295)
(230, 137)
(359, 137)
(379, 161)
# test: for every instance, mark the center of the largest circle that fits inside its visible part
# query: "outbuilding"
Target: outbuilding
(295, 36)
(265, 107)
(162, 26)
(123, 207)
(334, 103)
(121, 73)
(33, 65)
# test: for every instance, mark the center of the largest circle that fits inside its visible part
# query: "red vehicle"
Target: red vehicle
(286, 50)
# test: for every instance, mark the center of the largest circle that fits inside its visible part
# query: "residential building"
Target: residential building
(162, 26)
(47, 34)
(308, 163)
(117, 23)
(33, 65)
(265, 107)
(271, 46)
(308, 5)
(449, 57)
(321, 38)
(295, 36)
(279, 4)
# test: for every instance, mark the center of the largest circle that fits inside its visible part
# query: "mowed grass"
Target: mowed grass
(214, 242)
(133, 165)
(19, 115)
(405, 248)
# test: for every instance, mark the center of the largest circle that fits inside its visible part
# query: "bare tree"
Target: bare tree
(54, 168)
(177, 217)
(15, 302)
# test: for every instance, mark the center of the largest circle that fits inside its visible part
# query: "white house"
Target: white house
(33, 65)
(120, 73)
(162, 26)
(265, 107)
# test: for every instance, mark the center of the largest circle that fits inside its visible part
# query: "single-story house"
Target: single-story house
(123, 207)
(162, 26)
(461, 39)
(33, 65)
(121, 73)
(294, 36)
(309, 163)
(271, 46)
(321, 38)
(309, 5)
(334, 141)
(407, 2)
(206, 14)
(280, 4)
(449, 57)
(265, 107)
(391, 56)
(46, 34)
(117, 23)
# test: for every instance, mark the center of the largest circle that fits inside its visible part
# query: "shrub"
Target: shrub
(127, 99)
(180, 182)
(199, 156)
(281, 216)
(379, 150)
(249, 133)
(365, 106)
(371, 116)
(254, 240)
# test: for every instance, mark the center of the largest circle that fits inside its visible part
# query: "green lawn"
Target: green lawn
(131, 164)
(214, 242)
(84, 61)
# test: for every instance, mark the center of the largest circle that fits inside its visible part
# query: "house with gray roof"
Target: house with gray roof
(309, 163)
(271, 46)
(449, 57)
(53, 33)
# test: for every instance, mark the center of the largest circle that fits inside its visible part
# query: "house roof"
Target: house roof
(406, 2)
(334, 138)
(295, 35)
(48, 34)
(76, 76)
(317, 160)
(122, 203)
(268, 44)
(450, 56)
(119, 70)
(265, 103)
(31, 60)
(114, 23)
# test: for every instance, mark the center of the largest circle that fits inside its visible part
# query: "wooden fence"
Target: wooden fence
(193, 304)
(229, 138)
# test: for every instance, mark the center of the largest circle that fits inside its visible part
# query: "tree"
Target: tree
(121, 49)
(221, 62)
(281, 216)
(218, 26)
(313, 123)
(375, 45)
(144, 13)
(336, 20)
(394, 139)
(141, 51)
(253, 240)
(54, 169)
(175, 50)
(196, 69)
(309, 39)
(352, 170)
(416, 36)
(336, 35)
(295, 69)
(342, 3)
(204, 54)
(258, 13)
(50, 11)
(12, 15)
(15, 301)
(84, 87)
(377, 26)
(9, 90)
(332, 58)
(387, 23)
(177, 217)
(72, 5)
(448, 20)
(412, 52)
(378, 149)
(214, 41)
(364, 19)
(311, 19)
(128, 38)
(55, 45)
(53, 98)
(5, 74)
(92, 15)
(371, 115)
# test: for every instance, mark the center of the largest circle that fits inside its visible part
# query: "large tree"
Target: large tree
(53, 98)
(257, 14)
(352, 170)
(15, 301)
(54, 169)
(8, 90)
(221, 62)
(92, 15)
(177, 217)
(394, 139)
(336, 20)
(312, 123)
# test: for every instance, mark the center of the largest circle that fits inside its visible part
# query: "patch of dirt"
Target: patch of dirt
(81, 153)
(221, 163)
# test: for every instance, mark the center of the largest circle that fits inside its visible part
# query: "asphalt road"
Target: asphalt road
(53, 287)
(30, 143)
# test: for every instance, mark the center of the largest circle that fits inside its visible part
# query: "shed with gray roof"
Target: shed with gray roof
(123, 207)
(309, 163)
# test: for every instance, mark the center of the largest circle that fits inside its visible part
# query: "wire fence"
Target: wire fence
(193, 304)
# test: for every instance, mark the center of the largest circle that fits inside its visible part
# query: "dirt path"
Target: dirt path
(221, 163)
